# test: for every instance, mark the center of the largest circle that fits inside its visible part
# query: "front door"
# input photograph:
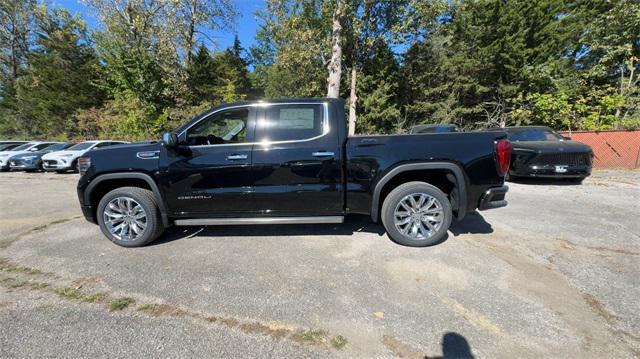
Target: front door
(297, 162)
(209, 174)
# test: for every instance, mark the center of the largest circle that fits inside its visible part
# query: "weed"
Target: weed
(310, 336)
(338, 342)
(75, 294)
(121, 303)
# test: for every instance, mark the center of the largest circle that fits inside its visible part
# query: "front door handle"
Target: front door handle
(236, 157)
(323, 154)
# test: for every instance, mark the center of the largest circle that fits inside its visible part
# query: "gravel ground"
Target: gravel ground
(554, 274)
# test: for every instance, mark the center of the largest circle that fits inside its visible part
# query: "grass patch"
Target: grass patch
(310, 336)
(121, 303)
(338, 342)
(157, 310)
(7, 266)
(75, 294)
(18, 284)
(147, 307)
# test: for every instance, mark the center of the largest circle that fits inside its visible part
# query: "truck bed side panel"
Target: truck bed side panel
(369, 158)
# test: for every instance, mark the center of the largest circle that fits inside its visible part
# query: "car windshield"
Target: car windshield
(81, 146)
(533, 134)
(23, 147)
(56, 147)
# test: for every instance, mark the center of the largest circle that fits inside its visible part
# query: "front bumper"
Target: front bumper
(23, 165)
(56, 164)
(493, 198)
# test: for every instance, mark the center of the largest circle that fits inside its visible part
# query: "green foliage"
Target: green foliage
(61, 77)
(475, 63)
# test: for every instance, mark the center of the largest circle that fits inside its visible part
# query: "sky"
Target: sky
(246, 23)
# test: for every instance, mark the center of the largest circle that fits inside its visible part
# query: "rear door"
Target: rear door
(296, 161)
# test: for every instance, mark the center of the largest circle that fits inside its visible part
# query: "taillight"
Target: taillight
(83, 165)
(503, 154)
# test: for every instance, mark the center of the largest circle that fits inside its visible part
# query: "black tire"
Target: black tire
(576, 181)
(74, 166)
(147, 201)
(392, 201)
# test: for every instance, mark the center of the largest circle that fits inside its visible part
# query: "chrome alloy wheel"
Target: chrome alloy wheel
(418, 216)
(125, 218)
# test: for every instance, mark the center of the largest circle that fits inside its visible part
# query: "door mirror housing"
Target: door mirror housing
(170, 140)
(566, 138)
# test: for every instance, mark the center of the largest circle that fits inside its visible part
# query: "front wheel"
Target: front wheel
(129, 216)
(417, 214)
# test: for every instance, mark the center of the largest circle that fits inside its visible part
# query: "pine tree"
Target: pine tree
(61, 79)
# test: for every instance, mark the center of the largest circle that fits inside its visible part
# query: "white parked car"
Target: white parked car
(63, 161)
(25, 148)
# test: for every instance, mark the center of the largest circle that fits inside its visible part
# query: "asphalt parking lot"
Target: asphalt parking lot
(554, 274)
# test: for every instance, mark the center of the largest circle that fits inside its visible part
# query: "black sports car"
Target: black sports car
(539, 151)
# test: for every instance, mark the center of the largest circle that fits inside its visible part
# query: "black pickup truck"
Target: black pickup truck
(291, 161)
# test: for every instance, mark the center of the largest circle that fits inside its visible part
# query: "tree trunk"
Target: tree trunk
(192, 31)
(353, 99)
(335, 65)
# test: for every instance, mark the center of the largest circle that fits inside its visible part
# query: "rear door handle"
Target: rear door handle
(236, 157)
(323, 154)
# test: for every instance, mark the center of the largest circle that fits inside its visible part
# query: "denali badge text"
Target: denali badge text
(200, 196)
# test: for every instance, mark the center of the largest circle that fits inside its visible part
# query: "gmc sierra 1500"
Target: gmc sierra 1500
(291, 161)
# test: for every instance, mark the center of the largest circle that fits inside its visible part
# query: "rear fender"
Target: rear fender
(460, 184)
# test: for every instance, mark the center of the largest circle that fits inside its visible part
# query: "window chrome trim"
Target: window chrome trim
(325, 124)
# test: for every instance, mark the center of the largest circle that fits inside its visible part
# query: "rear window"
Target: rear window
(290, 122)
(533, 134)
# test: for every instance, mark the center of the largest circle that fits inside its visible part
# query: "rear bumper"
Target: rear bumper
(550, 171)
(493, 198)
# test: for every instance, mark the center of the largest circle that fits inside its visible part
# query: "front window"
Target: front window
(290, 122)
(81, 146)
(222, 128)
(533, 134)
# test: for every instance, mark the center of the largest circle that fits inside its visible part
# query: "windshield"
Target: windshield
(533, 134)
(57, 147)
(23, 147)
(81, 146)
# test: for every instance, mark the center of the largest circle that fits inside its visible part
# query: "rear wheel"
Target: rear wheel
(417, 214)
(576, 180)
(129, 216)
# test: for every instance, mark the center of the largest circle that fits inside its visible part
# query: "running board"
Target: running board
(262, 220)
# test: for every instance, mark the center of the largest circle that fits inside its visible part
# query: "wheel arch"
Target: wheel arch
(459, 184)
(107, 182)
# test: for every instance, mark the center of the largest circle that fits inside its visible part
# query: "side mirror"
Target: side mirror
(566, 138)
(169, 140)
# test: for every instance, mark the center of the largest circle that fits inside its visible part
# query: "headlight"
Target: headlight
(29, 158)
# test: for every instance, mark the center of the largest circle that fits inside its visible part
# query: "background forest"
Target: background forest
(151, 65)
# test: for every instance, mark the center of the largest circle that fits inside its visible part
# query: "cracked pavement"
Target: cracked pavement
(554, 274)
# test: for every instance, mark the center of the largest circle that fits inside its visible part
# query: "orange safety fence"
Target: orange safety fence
(611, 149)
